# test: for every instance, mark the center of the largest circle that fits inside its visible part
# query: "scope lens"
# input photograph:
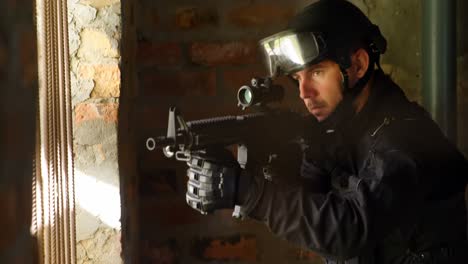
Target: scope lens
(245, 96)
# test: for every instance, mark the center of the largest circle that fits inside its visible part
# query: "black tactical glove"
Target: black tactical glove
(213, 180)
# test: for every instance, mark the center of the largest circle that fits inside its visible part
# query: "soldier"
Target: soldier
(380, 183)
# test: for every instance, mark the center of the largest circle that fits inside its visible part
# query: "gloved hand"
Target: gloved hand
(213, 180)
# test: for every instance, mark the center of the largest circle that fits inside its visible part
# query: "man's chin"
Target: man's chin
(319, 114)
(321, 118)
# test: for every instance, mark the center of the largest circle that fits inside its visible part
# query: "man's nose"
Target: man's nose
(306, 90)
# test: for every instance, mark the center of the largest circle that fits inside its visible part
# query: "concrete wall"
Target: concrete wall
(94, 32)
(18, 82)
(195, 55)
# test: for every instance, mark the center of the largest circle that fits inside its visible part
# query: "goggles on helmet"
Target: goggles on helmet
(289, 51)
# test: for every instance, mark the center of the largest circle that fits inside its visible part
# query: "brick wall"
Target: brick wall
(18, 82)
(195, 55)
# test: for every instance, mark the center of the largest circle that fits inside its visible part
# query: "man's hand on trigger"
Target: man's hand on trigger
(213, 178)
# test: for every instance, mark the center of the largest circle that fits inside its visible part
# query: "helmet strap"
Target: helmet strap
(345, 110)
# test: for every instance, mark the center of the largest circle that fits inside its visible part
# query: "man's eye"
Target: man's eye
(317, 73)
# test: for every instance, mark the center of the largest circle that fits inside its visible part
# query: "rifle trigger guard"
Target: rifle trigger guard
(182, 156)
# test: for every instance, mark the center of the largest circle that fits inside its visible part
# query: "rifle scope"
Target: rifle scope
(259, 92)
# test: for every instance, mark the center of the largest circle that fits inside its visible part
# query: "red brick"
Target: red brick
(228, 53)
(194, 17)
(234, 248)
(168, 214)
(3, 58)
(154, 116)
(260, 15)
(92, 111)
(159, 54)
(147, 16)
(151, 161)
(158, 182)
(180, 83)
(302, 254)
(161, 253)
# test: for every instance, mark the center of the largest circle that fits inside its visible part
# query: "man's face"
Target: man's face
(320, 87)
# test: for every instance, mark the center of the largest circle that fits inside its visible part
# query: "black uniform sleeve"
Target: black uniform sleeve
(340, 223)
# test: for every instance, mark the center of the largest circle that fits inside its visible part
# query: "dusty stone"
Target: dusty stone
(91, 154)
(100, 154)
(109, 149)
(105, 172)
(106, 78)
(80, 252)
(103, 246)
(73, 39)
(84, 156)
(84, 14)
(99, 3)
(109, 20)
(81, 89)
(96, 45)
(88, 224)
(101, 131)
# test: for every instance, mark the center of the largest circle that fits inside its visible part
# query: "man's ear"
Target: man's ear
(361, 62)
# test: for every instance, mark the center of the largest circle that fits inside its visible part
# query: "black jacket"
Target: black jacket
(385, 186)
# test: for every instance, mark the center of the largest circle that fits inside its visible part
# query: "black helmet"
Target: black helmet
(327, 29)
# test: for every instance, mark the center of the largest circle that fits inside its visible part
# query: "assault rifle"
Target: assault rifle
(264, 131)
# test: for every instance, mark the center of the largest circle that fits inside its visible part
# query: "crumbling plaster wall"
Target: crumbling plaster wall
(94, 36)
